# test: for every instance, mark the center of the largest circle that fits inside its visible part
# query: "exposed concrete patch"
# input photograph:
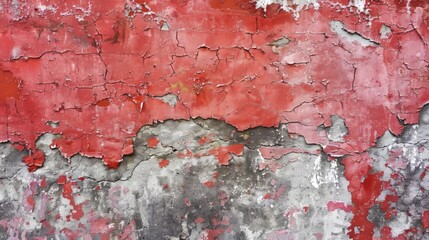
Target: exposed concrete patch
(339, 28)
(191, 197)
(337, 130)
(385, 31)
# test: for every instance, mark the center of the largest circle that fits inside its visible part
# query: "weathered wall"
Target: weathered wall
(229, 119)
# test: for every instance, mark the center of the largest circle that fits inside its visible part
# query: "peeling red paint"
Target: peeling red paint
(292, 83)
(364, 187)
(101, 75)
(34, 160)
(223, 153)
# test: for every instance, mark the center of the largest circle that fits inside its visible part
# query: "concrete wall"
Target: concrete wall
(268, 119)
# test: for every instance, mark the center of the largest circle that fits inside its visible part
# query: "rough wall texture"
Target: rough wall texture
(233, 119)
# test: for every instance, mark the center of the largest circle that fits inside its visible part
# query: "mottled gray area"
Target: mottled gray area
(192, 196)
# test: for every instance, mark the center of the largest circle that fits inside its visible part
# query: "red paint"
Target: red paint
(101, 228)
(62, 180)
(204, 140)
(9, 85)
(103, 103)
(43, 183)
(425, 219)
(223, 153)
(34, 160)
(185, 154)
(152, 142)
(267, 196)
(31, 202)
(77, 212)
(164, 163)
(276, 193)
(209, 184)
(306, 209)
(386, 233)
(364, 187)
(91, 83)
(333, 205)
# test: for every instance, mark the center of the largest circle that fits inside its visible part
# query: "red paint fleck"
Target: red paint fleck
(276, 194)
(186, 154)
(43, 183)
(77, 212)
(31, 202)
(223, 153)
(334, 205)
(62, 180)
(209, 184)
(199, 220)
(204, 140)
(34, 160)
(152, 142)
(213, 234)
(164, 163)
(425, 219)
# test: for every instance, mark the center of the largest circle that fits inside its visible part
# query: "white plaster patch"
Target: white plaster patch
(42, 9)
(15, 52)
(335, 224)
(294, 6)
(321, 176)
(360, 5)
(79, 12)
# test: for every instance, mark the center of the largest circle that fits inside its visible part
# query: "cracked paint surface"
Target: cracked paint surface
(86, 79)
